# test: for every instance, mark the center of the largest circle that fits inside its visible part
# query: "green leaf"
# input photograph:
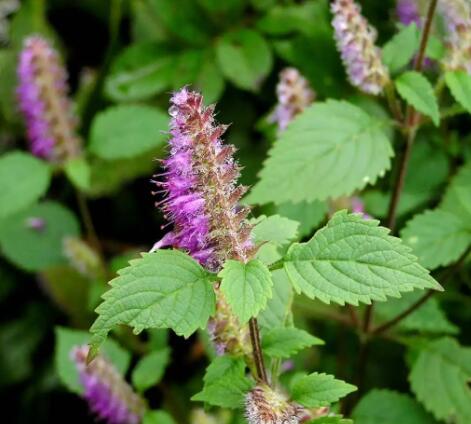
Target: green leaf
(34, 248)
(165, 289)
(308, 214)
(278, 309)
(23, 180)
(457, 199)
(66, 340)
(246, 287)
(415, 89)
(459, 83)
(150, 369)
(330, 420)
(353, 260)
(316, 390)
(388, 407)
(78, 172)
(127, 131)
(245, 58)
(139, 72)
(440, 379)
(428, 318)
(157, 417)
(225, 383)
(437, 237)
(284, 342)
(399, 51)
(331, 143)
(275, 228)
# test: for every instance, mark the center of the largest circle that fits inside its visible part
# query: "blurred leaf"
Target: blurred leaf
(330, 420)
(399, 51)
(225, 383)
(440, 379)
(127, 131)
(146, 25)
(246, 287)
(33, 239)
(284, 342)
(325, 134)
(245, 58)
(415, 89)
(140, 71)
(457, 199)
(459, 83)
(308, 214)
(224, 12)
(316, 390)
(198, 69)
(8, 82)
(23, 180)
(274, 228)
(67, 339)
(157, 417)
(78, 172)
(150, 369)
(278, 309)
(353, 260)
(437, 237)
(388, 407)
(171, 290)
(428, 318)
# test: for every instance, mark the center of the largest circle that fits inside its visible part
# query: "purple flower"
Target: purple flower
(108, 395)
(408, 12)
(457, 16)
(42, 96)
(294, 95)
(358, 206)
(200, 187)
(356, 43)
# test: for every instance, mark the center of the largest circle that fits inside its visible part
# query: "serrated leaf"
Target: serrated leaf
(278, 309)
(225, 383)
(440, 379)
(388, 407)
(275, 228)
(428, 318)
(245, 58)
(66, 339)
(246, 287)
(283, 342)
(165, 289)
(331, 143)
(150, 369)
(33, 239)
(415, 89)
(23, 180)
(157, 417)
(353, 260)
(399, 51)
(437, 237)
(127, 131)
(316, 390)
(459, 83)
(139, 72)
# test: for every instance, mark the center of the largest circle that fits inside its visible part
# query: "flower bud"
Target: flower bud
(407, 12)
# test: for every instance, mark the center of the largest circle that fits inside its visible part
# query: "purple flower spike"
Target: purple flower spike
(294, 95)
(356, 43)
(42, 96)
(457, 16)
(108, 395)
(408, 12)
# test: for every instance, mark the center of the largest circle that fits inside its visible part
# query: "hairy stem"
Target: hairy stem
(257, 351)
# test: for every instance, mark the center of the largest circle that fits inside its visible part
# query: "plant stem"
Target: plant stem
(257, 350)
(88, 222)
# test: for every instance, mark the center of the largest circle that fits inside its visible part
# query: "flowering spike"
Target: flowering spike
(457, 15)
(407, 12)
(294, 95)
(107, 394)
(356, 43)
(42, 95)
(265, 406)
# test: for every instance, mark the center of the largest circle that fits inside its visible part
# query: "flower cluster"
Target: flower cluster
(356, 43)
(294, 95)
(457, 15)
(407, 12)
(263, 405)
(107, 394)
(42, 95)
(202, 201)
